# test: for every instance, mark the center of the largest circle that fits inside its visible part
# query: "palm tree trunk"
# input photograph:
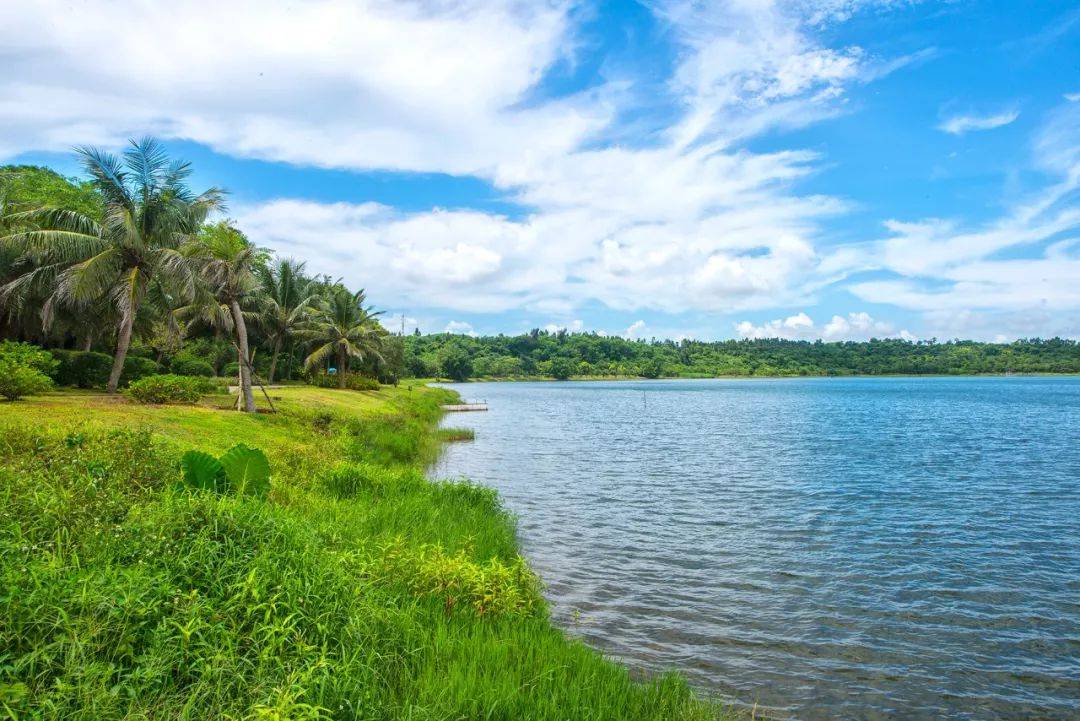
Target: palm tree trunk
(245, 371)
(273, 359)
(341, 367)
(123, 342)
(88, 342)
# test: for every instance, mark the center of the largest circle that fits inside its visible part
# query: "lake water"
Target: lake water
(862, 548)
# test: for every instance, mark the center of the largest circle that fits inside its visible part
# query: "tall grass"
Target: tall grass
(357, 590)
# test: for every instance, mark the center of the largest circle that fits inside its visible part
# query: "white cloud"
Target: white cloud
(963, 278)
(687, 222)
(637, 329)
(459, 327)
(574, 326)
(335, 83)
(855, 326)
(960, 124)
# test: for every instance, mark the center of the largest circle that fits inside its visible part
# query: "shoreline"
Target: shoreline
(434, 610)
(823, 376)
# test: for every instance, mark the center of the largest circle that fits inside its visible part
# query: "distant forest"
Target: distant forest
(563, 355)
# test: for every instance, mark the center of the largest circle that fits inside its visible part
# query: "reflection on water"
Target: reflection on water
(827, 548)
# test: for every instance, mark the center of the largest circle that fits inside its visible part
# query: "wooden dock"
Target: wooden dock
(468, 406)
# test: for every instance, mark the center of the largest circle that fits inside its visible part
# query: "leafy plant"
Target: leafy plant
(186, 365)
(18, 380)
(84, 369)
(169, 388)
(353, 381)
(29, 355)
(241, 470)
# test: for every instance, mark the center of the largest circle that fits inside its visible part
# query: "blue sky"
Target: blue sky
(835, 169)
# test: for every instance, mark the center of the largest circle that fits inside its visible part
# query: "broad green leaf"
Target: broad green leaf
(203, 471)
(247, 469)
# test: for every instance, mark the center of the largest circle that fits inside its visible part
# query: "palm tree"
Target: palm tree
(287, 300)
(149, 212)
(344, 328)
(227, 261)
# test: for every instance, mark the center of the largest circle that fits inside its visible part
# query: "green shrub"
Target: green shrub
(231, 370)
(169, 388)
(29, 355)
(18, 379)
(136, 367)
(85, 369)
(353, 381)
(186, 365)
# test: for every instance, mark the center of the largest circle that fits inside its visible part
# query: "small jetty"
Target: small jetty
(468, 405)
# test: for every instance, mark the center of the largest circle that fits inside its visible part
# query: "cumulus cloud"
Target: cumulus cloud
(688, 220)
(637, 329)
(574, 326)
(960, 124)
(854, 326)
(334, 83)
(460, 327)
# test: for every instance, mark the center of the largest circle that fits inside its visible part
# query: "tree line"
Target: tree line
(134, 263)
(132, 270)
(563, 355)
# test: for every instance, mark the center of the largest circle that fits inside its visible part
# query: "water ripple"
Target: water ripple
(826, 548)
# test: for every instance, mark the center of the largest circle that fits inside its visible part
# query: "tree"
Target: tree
(286, 301)
(148, 213)
(343, 328)
(562, 368)
(227, 262)
(454, 363)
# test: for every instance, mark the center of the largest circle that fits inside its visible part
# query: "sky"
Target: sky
(836, 169)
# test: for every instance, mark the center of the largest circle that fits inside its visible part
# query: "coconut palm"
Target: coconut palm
(149, 212)
(227, 262)
(287, 299)
(344, 328)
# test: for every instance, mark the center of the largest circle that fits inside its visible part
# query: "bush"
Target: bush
(169, 389)
(28, 355)
(18, 379)
(353, 381)
(85, 369)
(136, 367)
(231, 370)
(562, 368)
(186, 365)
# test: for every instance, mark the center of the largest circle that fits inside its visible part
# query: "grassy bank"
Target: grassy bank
(356, 590)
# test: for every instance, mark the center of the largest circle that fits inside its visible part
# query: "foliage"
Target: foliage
(353, 381)
(29, 355)
(123, 255)
(562, 368)
(241, 470)
(563, 354)
(286, 302)
(454, 362)
(226, 262)
(29, 187)
(187, 365)
(169, 388)
(18, 379)
(342, 327)
(136, 368)
(83, 369)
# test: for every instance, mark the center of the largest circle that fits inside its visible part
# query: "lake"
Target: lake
(858, 548)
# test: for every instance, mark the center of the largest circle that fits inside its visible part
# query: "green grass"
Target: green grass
(357, 590)
(450, 435)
